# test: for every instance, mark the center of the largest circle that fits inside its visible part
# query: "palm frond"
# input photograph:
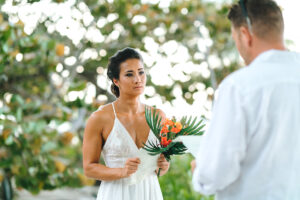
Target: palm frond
(153, 148)
(193, 128)
(174, 148)
(153, 120)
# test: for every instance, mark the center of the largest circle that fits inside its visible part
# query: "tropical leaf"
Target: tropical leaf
(191, 127)
(153, 120)
(174, 148)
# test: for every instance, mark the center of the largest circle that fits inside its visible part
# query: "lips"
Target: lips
(138, 87)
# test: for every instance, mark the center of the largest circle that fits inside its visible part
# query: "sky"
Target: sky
(291, 16)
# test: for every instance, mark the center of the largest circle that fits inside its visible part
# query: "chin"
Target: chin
(134, 93)
(138, 93)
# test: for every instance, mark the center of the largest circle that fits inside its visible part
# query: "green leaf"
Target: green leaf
(77, 86)
(193, 128)
(49, 146)
(153, 120)
(30, 127)
(9, 140)
(40, 126)
(1, 68)
(18, 99)
(5, 48)
(19, 114)
(51, 44)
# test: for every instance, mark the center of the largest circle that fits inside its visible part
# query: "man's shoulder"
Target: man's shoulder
(237, 78)
(266, 71)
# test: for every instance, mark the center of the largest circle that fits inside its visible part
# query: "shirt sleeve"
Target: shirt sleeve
(219, 158)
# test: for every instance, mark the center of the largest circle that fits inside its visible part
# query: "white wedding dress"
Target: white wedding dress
(142, 185)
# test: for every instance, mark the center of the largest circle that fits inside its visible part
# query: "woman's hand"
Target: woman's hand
(193, 165)
(163, 164)
(131, 166)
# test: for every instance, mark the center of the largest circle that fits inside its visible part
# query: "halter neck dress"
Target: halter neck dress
(143, 184)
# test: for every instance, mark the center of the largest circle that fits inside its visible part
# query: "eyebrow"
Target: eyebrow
(132, 70)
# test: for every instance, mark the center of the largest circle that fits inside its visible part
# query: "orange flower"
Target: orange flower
(175, 130)
(165, 142)
(178, 125)
(168, 122)
(164, 129)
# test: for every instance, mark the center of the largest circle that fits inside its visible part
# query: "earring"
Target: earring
(115, 84)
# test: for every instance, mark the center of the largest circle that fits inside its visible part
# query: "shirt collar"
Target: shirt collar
(274, 55)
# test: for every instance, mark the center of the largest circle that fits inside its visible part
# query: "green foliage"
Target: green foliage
(33, 152)
(153, 120)
(176, 183)
(37, 82)
(191, 126)
(174, 148)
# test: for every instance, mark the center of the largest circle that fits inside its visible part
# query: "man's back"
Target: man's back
(270, 95)
(250, 150)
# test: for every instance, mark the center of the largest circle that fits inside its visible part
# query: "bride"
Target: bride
(118, 131)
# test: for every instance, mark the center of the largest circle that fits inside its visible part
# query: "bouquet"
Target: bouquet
(167, 132)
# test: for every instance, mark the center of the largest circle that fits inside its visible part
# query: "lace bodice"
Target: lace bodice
(119, 146)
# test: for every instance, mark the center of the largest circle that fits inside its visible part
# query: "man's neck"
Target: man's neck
(266, 46)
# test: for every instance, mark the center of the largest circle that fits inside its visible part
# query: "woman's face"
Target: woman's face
(132, 78)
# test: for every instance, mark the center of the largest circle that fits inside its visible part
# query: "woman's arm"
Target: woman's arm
(92, 147)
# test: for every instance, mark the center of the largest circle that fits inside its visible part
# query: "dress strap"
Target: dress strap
(113, 106)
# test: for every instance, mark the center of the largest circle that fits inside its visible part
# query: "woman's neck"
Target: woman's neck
(129, 105)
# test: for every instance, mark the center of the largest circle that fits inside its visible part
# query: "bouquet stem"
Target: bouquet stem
(158, 173)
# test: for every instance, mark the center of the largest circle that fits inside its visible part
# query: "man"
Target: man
(251, 148)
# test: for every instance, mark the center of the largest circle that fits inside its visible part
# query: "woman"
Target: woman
(119, 130)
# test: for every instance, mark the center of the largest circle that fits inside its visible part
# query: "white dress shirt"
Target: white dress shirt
(251, 150)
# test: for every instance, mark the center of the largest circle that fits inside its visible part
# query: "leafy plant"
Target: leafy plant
(177, 183)
(37, 82)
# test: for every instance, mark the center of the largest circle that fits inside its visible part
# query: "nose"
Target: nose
(138, 79)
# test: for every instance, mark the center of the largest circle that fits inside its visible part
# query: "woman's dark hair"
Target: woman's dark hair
(113, 68)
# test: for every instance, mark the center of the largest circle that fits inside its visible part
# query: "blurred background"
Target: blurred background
(53, 60)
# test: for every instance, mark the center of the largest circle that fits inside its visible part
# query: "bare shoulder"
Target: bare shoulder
(102, 115)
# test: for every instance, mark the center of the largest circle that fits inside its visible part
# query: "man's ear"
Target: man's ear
(246, 36)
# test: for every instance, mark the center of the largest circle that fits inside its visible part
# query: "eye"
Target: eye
(129, 74)
(141, 72)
